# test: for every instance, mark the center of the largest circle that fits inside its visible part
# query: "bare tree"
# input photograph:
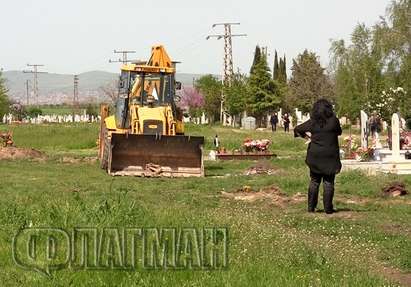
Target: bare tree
(110, 90)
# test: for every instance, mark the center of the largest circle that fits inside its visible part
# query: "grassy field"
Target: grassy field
(366, 243)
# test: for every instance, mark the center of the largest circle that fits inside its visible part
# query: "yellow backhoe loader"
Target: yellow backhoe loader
(145, 136)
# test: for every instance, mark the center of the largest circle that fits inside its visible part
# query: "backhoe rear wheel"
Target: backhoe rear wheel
(106, 150)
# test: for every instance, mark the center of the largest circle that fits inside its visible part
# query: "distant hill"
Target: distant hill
(58, 88)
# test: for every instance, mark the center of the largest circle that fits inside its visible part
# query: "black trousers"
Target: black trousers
(328, 186)
(273, 127)
(286, 127)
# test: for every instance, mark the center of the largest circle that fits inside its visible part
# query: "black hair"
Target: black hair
(322, 110)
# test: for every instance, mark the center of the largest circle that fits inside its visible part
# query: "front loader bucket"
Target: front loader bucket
(151, 155)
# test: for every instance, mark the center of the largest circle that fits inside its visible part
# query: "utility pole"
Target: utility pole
(228, 59)
(228, 49)
(27, 92)
(75, 91)
(124, 58)
(35, 72)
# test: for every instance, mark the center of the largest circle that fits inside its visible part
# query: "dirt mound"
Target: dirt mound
(273, 194)
(67, 159)
(261, 167)
(395, 189)
(14, 153)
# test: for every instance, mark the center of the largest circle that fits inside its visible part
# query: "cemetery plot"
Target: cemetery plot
(371, 155)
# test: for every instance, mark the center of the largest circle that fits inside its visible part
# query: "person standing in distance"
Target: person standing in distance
(323, 156)
(286, 122)
(274, 122)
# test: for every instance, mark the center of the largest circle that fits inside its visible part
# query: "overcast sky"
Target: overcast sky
(75, 36)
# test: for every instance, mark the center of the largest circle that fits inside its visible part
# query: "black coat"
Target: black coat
(323, 153)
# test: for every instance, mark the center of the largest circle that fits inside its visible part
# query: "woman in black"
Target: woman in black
(286, 122)
(323, 153)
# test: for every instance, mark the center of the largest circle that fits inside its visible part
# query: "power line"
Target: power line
(35, 72)
(124, 58)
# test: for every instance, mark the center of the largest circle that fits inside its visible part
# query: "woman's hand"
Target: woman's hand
(307, 137)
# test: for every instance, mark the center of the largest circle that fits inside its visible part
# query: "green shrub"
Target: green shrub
(34, 112)
(91, 110)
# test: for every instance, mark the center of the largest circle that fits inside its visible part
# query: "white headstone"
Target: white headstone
(203, 118)
(299, 116)
(395, 136)
(280, 116)
(306, 117)
(384, 125)
(364, 129)
(249, 123)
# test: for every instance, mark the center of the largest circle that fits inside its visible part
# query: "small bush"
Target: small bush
(91, 110)
(33, 112)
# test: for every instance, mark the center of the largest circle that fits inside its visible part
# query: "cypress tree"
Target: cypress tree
(257, 58)
(280, 71)
(285, 70)
(276, 67)
(263, 92)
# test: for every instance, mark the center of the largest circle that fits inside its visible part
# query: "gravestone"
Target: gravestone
(395, 136)
(384, 125)
(280, 116)
(299, 116)
(204, 119)
(306, 117)
(249, 123)
(364, 129)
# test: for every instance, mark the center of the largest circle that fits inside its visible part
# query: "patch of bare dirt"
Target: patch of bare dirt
(357, 200)
(261, 167)
(271, 194)
(396, 275)
(73, 160)
(344, 214)
(14, 153)
(395, 228)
